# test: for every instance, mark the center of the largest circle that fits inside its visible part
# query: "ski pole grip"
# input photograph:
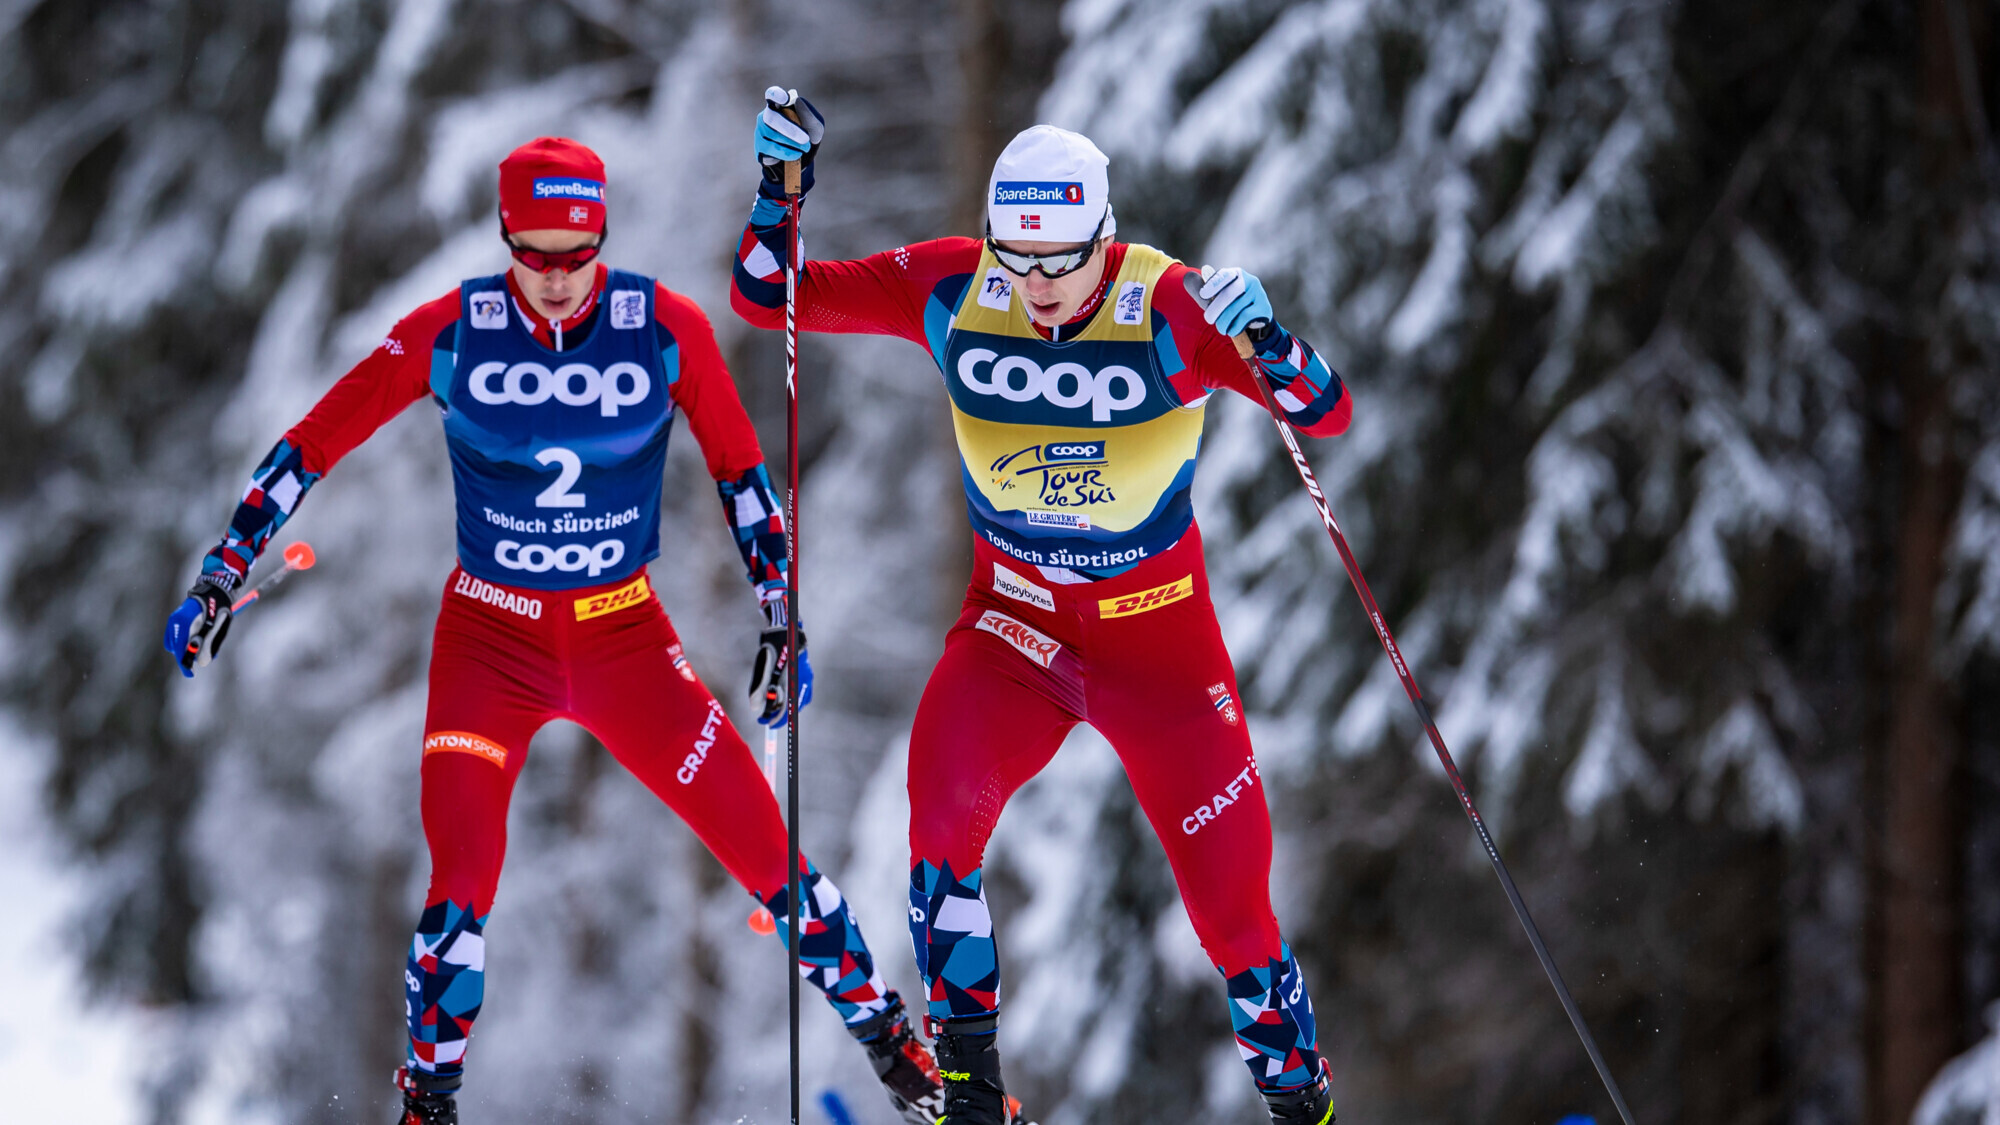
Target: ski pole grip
(791, 113)
(1192, 280)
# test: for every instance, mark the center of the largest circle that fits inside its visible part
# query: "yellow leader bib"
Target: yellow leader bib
(1076, 454)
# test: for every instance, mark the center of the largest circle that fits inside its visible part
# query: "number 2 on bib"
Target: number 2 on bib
(558, 495)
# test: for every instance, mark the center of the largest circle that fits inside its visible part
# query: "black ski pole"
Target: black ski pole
(792, 251)
(1247, 350)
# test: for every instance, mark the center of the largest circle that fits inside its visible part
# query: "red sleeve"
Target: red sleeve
(1211, 360)
(883, 294)
(705, 391)
(394, 375)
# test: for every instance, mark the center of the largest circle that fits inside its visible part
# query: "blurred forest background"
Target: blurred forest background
(1673, 329)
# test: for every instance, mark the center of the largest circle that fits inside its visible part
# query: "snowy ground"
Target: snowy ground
(61, 1059)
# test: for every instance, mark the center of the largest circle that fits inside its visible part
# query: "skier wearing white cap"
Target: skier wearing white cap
(1077, 368)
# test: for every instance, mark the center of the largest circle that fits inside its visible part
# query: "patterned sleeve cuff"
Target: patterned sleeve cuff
(771, 599)
(1305, 388)
(275, 489)
(758, 522)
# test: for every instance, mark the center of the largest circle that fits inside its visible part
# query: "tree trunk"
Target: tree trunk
(1918, 1022)
(1918, 862)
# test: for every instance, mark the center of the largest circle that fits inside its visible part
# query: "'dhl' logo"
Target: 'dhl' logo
(1145, 601)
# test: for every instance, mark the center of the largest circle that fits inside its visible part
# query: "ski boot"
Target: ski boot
(1310, 1104)
(427, 1099)
(969, 1062)
(902, 1063)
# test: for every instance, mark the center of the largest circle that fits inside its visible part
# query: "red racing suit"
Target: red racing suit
(1088, 601)
(557, 433)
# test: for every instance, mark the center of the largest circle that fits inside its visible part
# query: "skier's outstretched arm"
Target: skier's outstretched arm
(703, 389)
(1309, 392)
(883, 294)
(394, 375)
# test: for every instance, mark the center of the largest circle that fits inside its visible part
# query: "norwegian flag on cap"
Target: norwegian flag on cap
(552, 183)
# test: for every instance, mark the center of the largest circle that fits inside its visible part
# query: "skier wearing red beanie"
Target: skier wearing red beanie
(558, 382)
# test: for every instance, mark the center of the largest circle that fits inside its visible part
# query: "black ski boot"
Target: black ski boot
(902, 1063)
(969, 1062)
(1310, 1104)
(427, 1099)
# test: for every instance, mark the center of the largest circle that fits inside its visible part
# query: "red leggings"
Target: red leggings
(506, 660)
(1140, 658)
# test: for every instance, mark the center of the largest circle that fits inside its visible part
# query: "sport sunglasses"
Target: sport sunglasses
(1051, 265)
(543, 261)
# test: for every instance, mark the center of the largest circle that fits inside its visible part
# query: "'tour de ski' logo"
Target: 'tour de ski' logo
(1067, 385)
(572, 384)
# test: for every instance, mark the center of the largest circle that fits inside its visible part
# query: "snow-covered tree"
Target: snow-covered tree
(1671, 326)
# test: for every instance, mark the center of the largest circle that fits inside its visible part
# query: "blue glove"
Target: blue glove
(779, 140)
(767, 676)
(1234, 301)
(197, 628)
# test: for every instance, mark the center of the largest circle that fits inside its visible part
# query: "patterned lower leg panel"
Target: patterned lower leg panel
(1274, 1023)
(833, 956)
(443, 986)
(952, 931)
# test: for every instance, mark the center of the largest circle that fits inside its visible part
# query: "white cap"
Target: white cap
(1049, 186)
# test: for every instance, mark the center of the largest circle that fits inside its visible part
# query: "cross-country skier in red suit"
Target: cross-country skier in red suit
(558, 382)
(1077, 368)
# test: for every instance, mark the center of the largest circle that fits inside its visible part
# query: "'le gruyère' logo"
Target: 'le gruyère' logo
(1068, 385)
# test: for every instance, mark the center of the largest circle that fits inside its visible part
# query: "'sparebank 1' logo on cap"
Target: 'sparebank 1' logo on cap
(564, 187)
(1032, 191)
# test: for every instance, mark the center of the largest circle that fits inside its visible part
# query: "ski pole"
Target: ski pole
(760, 921)
(1247, 351)
(298, 556)
(793, 249)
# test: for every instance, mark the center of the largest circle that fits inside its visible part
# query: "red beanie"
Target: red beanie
(552, 183)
